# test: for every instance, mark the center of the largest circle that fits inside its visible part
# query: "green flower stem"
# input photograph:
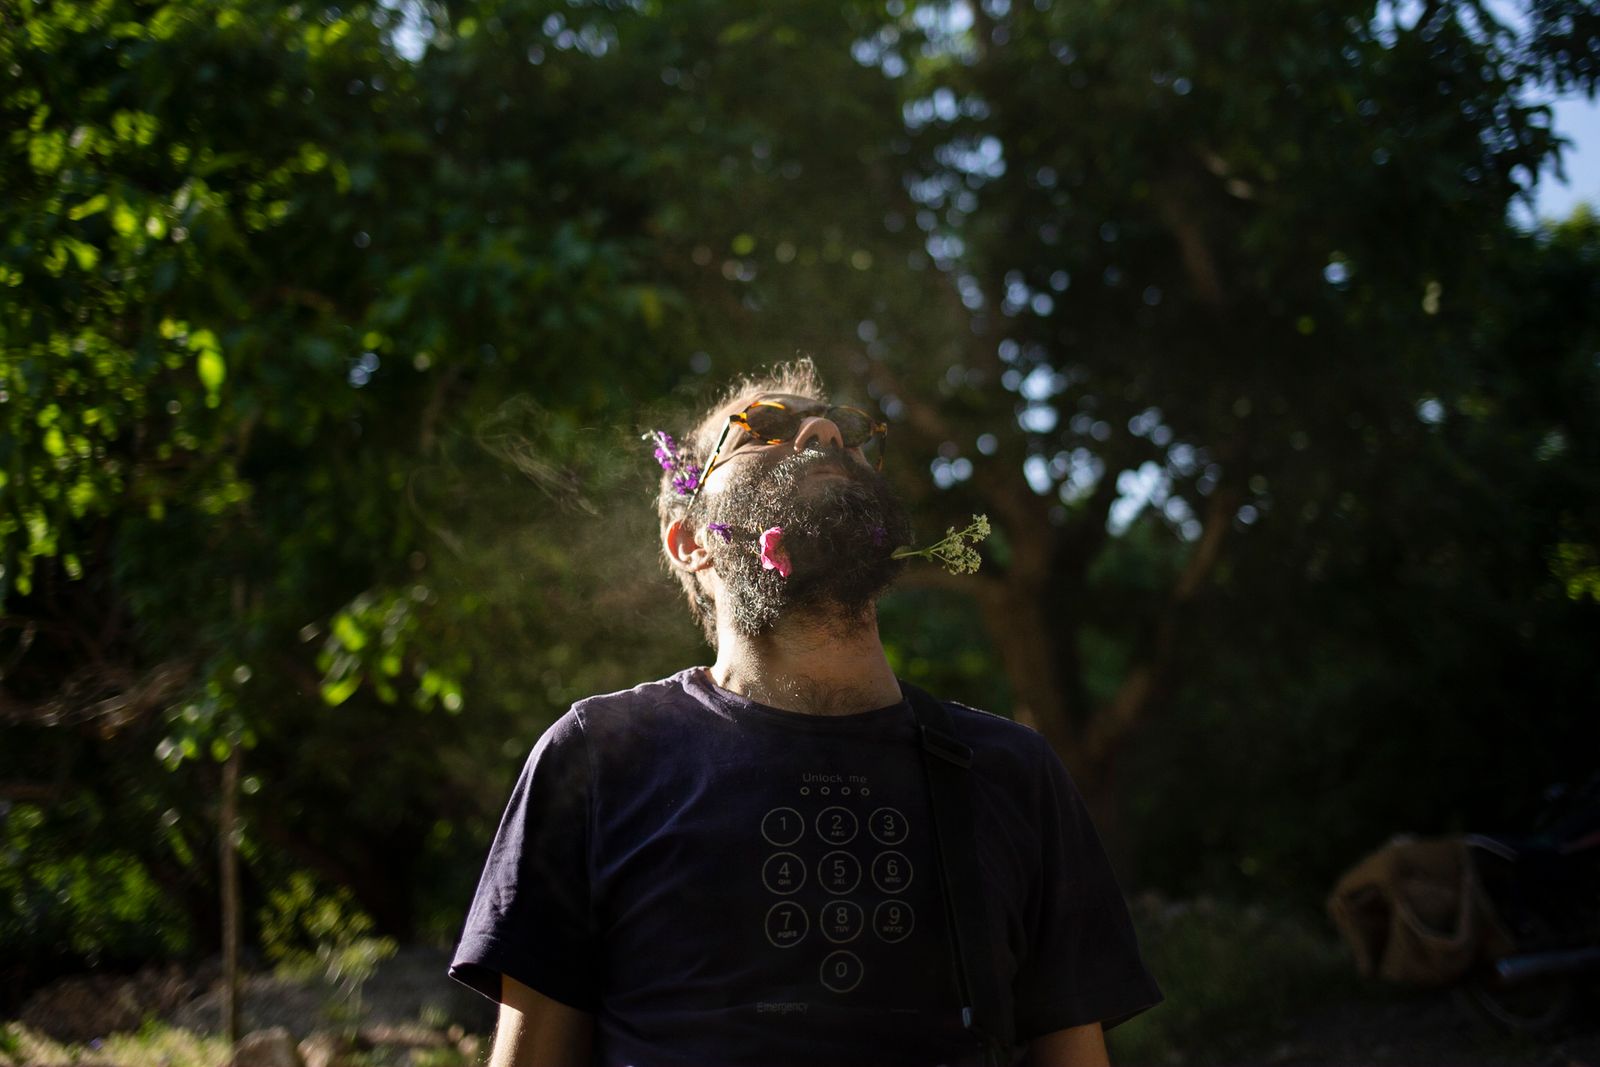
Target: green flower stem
(957, 551)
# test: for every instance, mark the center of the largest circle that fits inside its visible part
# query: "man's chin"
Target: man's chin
(834, 618)
(852, 581)
(829, 590)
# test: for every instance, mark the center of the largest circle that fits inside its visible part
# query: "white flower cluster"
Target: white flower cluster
(957, 550)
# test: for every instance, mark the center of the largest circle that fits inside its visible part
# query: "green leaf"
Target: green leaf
(337, 692)
(650, 306)
(124, 220)
(89, 207)
(87, 255)
(212, 370)
(348, 633)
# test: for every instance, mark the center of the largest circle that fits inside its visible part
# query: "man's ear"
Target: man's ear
(682, 546)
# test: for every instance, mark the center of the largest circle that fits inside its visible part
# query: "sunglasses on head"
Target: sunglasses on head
(773, 422)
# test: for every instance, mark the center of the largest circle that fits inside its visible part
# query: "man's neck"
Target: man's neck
(817, 666)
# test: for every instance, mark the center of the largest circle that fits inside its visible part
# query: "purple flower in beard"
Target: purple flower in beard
(687, 480)
(685, 475)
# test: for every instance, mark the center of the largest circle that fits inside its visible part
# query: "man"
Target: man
(736, 864)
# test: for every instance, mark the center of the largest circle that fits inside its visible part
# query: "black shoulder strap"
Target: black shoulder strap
(984, 1009)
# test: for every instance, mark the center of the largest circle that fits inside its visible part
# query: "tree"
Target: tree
(264, 277)
(1171, 260)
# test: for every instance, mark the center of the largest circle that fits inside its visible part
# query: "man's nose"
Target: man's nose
(818, 432)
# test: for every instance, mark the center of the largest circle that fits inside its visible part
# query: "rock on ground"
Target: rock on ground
(84, 1007)
(267, 1048)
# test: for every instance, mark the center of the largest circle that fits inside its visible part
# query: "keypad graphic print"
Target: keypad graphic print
(835, 870)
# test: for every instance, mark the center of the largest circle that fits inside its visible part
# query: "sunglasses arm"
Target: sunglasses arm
(711, 463)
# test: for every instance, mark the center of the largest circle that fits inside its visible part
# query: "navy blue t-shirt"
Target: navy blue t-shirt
(720, 882)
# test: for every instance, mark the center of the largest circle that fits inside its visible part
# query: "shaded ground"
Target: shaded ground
(412, 1002)
(1421, 1029)
(408, 1004)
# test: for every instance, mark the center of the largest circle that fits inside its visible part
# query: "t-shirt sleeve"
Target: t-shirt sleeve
(1083, 962)
(531, 917)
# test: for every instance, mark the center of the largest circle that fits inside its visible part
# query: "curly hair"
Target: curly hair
(796, 378)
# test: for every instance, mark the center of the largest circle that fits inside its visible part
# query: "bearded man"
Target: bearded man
(748, 863)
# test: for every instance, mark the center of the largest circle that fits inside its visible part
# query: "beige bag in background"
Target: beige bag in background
(1415, 912)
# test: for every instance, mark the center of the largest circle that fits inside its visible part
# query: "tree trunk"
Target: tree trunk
(227, 843)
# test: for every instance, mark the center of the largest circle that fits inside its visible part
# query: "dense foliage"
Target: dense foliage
(329, 332)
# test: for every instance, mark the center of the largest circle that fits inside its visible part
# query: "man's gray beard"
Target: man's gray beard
(838, 533)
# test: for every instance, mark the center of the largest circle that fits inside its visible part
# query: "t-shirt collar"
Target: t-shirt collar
(697, 682)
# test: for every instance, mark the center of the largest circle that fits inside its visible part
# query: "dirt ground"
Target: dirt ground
(1382, 1028)
(408, 990)
(1424, 1029)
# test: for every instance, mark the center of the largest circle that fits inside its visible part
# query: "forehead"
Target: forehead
(792, 401)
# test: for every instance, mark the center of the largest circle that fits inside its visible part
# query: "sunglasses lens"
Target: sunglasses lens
(854, 425)
(772, 423)
(872, 448)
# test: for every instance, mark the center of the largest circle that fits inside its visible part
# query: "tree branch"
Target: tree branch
(1017, 507)
(1151, 670)
(110, 698)
(1198, 262)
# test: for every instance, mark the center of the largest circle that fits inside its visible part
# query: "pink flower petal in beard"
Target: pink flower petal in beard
(773, 557)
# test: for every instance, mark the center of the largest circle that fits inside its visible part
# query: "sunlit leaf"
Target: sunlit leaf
(337, 692)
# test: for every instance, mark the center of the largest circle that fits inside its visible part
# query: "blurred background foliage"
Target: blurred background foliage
(329, 332)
